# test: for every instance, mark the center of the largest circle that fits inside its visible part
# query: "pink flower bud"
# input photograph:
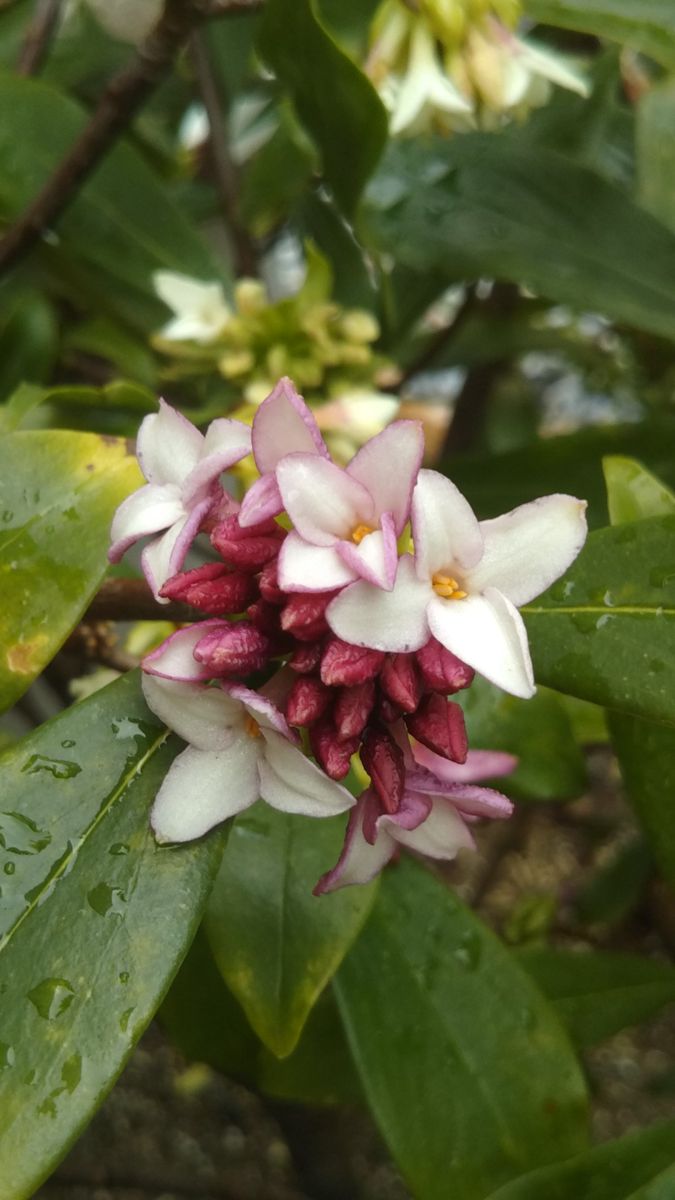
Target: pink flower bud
(211, 588)
(264, 616)
(352, 709)
(439, 725)
(269, 584)
(333, 755)
(441, 670)
(400, 681)
(383, 760)
(233, 650)
(307, 700)
(345, 664)
(248, 548)
(303, 615)
(306, 658)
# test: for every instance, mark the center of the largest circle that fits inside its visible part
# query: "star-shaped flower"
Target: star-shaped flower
(200, 309)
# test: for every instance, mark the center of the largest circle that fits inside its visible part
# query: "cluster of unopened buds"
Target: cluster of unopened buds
(363, 598)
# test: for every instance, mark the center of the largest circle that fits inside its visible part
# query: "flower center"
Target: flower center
(447, 587)
(360, 532)
(252, 727)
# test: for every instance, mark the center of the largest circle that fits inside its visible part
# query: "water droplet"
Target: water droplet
(67, 743)
(29, 1076)
(7, 1056)
(469, 950)
(52, 997)
(660, 576)
(71, 1073)
(9, 868)
(105, 899)
(48, 1107)
(609, 600)
(124, 1019)
(585, 622)
(125, 728)
(7, 515)
(118, 848)
(123, 976)
(60, 768)
(20, 835)
(603, 620)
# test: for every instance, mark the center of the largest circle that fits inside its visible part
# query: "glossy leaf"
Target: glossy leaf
(466, 1069)
(474, 207)
(637, 1167)
(275, 943)
(58, 492)
(655, 135)
(334, 100)
(633, 492)
(606, 632)
(118, 230)
(537, 731)
(597, 994)
(646, 25)
(95, 918)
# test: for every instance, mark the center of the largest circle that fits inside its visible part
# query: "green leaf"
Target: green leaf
(95, 918)
(646, 25)
(468, 1073)
(597, 994)
(618, 886)
(21, 402)
(28, 341)
(334, 100)
(606, 632)
(58, 492)
(646, 754)
(538, 731)
(633, 492)
(636, 1167)
(655, 135)
(275, 943)
(119, 229)
(476, 207)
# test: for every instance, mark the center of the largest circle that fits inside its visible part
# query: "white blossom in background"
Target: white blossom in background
(127, 20)
(200, 309)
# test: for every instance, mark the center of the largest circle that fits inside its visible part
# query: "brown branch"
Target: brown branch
(132, 600)
(224, 169)
(117, 107)
(39, 37)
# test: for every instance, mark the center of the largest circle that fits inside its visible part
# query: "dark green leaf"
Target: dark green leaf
(58, 492)
(538, 731)
(275, 943)
(597, 994)
(636, 1167)
(28, 341)
(646, 754)
(646, 25)
(119, 229)
(618, 886)
(606, 632)
(476, 206)
(95, 918)
(467, 1071)
(656, 149)
(334, 100)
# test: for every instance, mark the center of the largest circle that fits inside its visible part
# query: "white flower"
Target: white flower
(424, 88)
(201, 310)
(182, 467)
(465, 581)
(240, 748)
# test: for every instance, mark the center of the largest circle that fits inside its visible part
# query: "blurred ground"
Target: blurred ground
(173, 1131)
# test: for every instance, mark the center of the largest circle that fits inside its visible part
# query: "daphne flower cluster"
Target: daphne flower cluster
(364, 597)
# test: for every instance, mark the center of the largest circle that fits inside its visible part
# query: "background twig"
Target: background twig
(39, 37)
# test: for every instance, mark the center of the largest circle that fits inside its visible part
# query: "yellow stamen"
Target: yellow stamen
(252, 727)
(360, 532)
(447, 587)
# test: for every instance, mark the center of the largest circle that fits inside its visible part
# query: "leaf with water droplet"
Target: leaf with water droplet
(77, 936)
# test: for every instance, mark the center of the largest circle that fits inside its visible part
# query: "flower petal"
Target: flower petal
(445, 530)
(401, 444)
(395, 621)
(376, 557)
(262, 501)
(262, 708)
(163, 557)
(323, 501)
(441, 835)
(359, 861)
(204, 788)
(306, 568)
(527, 549)
(168, 446)
(479, 801)
(226, 442)
(480, 764)
(283, 425)
(151, 508)
(174, 659)
(551, 66)
(488, 633)
(205, 717)
(293, 784)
